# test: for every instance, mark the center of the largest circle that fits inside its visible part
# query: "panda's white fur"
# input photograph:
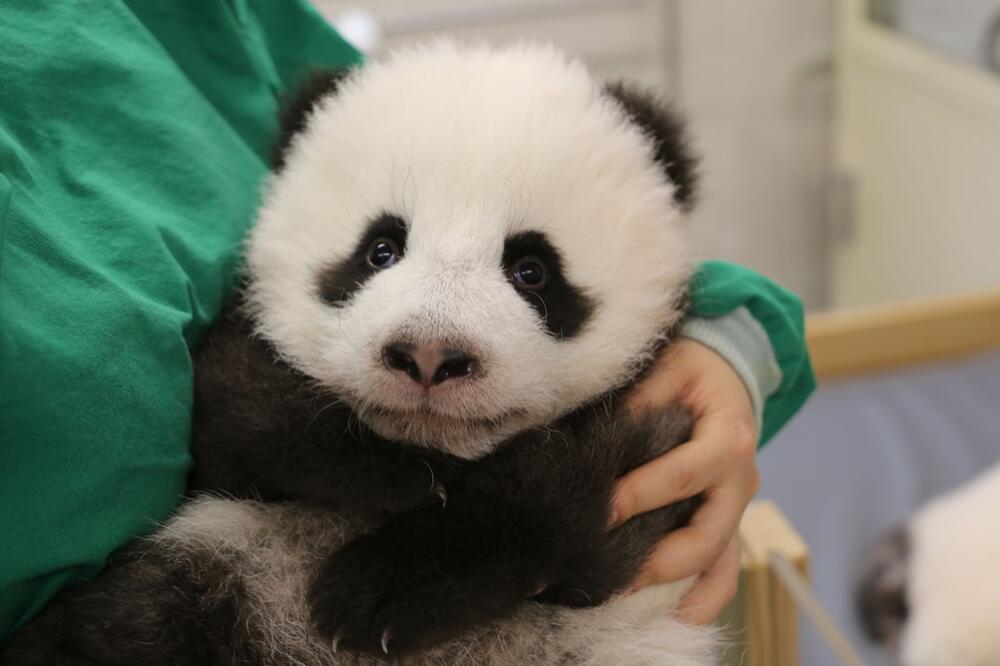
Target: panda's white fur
(954, 602)
(499, 141)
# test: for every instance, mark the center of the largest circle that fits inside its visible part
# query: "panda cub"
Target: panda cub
(408, 427)
(926, 591)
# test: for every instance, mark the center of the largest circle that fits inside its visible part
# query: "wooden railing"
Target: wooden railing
(775, 563)
(852, 342)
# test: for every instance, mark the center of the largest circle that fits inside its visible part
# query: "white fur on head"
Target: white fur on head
(469, 146)
(952, 593)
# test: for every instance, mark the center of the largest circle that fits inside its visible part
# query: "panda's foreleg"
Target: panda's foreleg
(598, 562)
(531, 519)
(425, 578)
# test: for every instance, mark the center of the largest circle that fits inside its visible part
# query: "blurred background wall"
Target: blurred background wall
(754, 78)
(917, 145)
(849, 148)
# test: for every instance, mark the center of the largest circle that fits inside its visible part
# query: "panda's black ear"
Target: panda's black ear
(299, 104)
(666, 130)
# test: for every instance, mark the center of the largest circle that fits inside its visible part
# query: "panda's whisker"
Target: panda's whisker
(410, 190)
(319, 412)
(545, 307)
(347, 338)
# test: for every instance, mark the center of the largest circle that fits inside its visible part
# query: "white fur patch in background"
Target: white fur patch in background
(953, 591)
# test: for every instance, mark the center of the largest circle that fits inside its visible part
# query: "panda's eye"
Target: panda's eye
(529, 273)
(383, 253)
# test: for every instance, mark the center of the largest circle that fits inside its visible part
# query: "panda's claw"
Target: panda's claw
(386, 636)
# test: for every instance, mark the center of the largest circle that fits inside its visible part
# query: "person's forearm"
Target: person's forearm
(719, 291)
(743, 342)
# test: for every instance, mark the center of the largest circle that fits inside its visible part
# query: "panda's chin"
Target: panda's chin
(466, 438)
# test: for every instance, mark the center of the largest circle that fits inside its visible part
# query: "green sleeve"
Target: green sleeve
(133, 142)
(241, 56)
(719, 288)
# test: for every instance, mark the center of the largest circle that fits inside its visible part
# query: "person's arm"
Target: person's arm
(134, 139)
(742, 367)
(733, 309)
(743, 342)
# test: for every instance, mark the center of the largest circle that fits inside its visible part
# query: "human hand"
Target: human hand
(719, 461)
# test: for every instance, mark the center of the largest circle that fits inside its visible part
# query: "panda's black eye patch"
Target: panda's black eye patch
(534, 267)
(381, 247)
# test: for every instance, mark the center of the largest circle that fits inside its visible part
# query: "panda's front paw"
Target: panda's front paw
(377, 601)
(397, 591)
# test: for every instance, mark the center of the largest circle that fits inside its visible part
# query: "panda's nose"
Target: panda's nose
(428, 364)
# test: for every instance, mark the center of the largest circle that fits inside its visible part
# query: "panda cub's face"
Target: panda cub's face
(462, 243)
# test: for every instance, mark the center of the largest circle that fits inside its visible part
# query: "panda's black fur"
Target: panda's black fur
(438, 546)
(295, 109)
(665, 129)
(881, 595)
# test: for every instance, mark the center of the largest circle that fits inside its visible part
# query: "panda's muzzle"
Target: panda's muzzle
(429, 364)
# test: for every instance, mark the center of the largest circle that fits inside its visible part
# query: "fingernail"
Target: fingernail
(614, 518)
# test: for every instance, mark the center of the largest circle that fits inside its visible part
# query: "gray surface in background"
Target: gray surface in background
(862, 455)
(961, 29)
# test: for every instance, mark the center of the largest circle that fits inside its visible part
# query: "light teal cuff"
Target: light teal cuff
(743, 342)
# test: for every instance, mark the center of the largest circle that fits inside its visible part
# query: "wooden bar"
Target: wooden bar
(852, 342)
(761, 624)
